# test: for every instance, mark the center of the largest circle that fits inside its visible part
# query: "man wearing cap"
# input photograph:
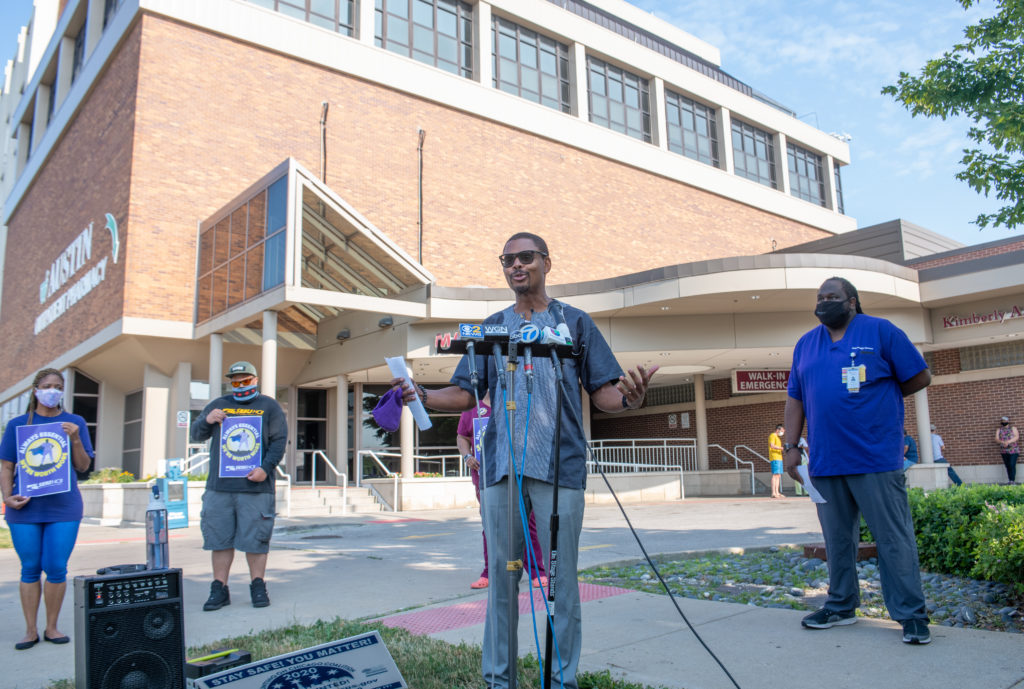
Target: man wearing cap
(249, 435)
(1007, 437)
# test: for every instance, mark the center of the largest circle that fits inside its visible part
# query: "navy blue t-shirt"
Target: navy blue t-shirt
(596, 367)
(854, 432)
(62, 507)
(911, 455)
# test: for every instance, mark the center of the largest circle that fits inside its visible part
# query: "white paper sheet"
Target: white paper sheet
(399, 369)
(808, 486)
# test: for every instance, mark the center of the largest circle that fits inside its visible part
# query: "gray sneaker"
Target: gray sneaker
(916, 632)
(825, 618)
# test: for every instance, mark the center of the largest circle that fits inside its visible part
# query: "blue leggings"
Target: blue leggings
(44, 547)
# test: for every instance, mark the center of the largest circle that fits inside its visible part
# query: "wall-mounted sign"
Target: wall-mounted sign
(67, 264)
(759, 380)
(673, 421)
(974, 318)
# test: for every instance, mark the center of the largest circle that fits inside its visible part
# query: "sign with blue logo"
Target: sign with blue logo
(529, 333)
(479, 427)
(241, 443)
(360, 661)
(44, 460)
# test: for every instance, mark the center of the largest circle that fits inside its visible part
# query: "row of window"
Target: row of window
(536, 67)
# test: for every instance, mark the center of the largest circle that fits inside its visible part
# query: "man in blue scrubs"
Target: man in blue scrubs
(848, 379)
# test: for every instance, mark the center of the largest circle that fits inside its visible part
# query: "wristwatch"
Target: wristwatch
(468, 457)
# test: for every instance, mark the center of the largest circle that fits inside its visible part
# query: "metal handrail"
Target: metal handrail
(591, 463)
(340, 476)
(736, 462)
(387, 473)
(190, 464)
(647, 453)
(424, 459)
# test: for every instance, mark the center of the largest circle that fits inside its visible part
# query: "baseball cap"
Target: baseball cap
(1005, 418)
(240, 367)
(933, 427)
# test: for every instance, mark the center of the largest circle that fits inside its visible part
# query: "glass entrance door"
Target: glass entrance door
(311, 435)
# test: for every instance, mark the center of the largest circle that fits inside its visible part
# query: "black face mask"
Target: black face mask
(832, 314)
(1004, 423)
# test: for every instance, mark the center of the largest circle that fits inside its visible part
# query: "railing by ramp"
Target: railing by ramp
(636, 455)
(736, 464)
(201, 459)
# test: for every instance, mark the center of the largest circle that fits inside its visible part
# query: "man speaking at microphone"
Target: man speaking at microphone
(526, 263)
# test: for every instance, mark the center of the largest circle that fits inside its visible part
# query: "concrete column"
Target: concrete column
(828, 170)
(357, 427)
(578, 91)
(924, 427)
(268, 369)
(341, 425)
(407, 435)
(180, 400)
(155, 403)
(39, 123)
(216, 364)
(700, 421)
(781, 163)
(725, 159)
(365, 22)
(482, 40)
(65, 62)
(659, 127)
(93, 26)
(24, 145)
(109, 427)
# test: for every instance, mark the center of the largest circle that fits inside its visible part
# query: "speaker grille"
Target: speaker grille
(126, 644)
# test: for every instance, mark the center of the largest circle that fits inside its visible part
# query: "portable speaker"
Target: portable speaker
(129, 631)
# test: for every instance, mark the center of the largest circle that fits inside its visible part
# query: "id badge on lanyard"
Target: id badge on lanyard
(854, 375)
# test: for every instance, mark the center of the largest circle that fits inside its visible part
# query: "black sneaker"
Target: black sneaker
(219, 596)
(258, 592)
(825, 618)
(916, 632)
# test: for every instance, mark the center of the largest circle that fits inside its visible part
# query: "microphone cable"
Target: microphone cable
(650, 562)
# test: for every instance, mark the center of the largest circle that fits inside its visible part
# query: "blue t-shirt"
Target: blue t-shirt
(62, 507)
(596, 367)
(854, 432)
(911, 455)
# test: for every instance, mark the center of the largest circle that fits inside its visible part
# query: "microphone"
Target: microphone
(529, 334)
(513, 348)
(549, 335)
(561, 328)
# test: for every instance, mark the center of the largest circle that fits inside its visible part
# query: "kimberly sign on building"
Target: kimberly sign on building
(993, 316)
(66, 266)
(761, 380)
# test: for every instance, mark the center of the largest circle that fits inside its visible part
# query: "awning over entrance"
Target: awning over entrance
(290, 244)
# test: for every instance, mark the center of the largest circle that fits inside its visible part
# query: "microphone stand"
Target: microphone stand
(512, 566)
(553, 557)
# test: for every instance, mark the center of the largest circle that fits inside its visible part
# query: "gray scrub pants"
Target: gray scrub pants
(537, 494)
(882, 498)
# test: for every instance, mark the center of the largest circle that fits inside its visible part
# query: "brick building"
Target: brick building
(315, 185)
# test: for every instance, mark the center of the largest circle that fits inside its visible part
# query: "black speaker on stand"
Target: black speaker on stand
(129, 631)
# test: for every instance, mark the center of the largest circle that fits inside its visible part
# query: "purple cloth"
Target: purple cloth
(388, 412)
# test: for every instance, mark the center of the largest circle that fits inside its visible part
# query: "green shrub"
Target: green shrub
(110, 475)
(999, 546)
(945, 522)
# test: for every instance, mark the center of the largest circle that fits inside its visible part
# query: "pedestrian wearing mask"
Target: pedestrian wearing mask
(1007, 436)
(44, 527)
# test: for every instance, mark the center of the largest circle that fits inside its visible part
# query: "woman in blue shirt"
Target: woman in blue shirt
(44, 528)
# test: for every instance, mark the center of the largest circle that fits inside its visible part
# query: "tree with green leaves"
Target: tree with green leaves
(981, 78)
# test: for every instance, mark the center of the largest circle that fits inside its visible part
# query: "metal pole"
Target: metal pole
(512, 565)
(553, 558)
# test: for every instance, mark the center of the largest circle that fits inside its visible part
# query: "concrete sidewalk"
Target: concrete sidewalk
(422, 563)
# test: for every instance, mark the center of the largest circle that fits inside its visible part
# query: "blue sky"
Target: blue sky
(828, 61)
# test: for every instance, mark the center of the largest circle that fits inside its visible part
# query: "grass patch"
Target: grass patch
(425, 663)
(5, 538)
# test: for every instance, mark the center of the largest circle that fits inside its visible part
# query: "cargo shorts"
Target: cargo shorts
(239, 521)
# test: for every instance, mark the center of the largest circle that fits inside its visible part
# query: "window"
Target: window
(805, 178)
(839, 191)
(691, 128)
(85, 401)
(530, 65)
(437, 32)
(336, 15)
(619, 100)
(675, 394)
(753, 153)
(110, 8)
(79, 55)
(131, 454)
(50, 100)
(242, 255)
(991, 356)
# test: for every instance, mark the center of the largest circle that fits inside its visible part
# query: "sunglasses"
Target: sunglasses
(242, 382)
(525, 258)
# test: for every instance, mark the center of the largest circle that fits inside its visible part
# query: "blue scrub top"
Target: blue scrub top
(854, 432)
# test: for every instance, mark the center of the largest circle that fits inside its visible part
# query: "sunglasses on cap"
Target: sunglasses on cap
(242, 382)
(525, 258)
